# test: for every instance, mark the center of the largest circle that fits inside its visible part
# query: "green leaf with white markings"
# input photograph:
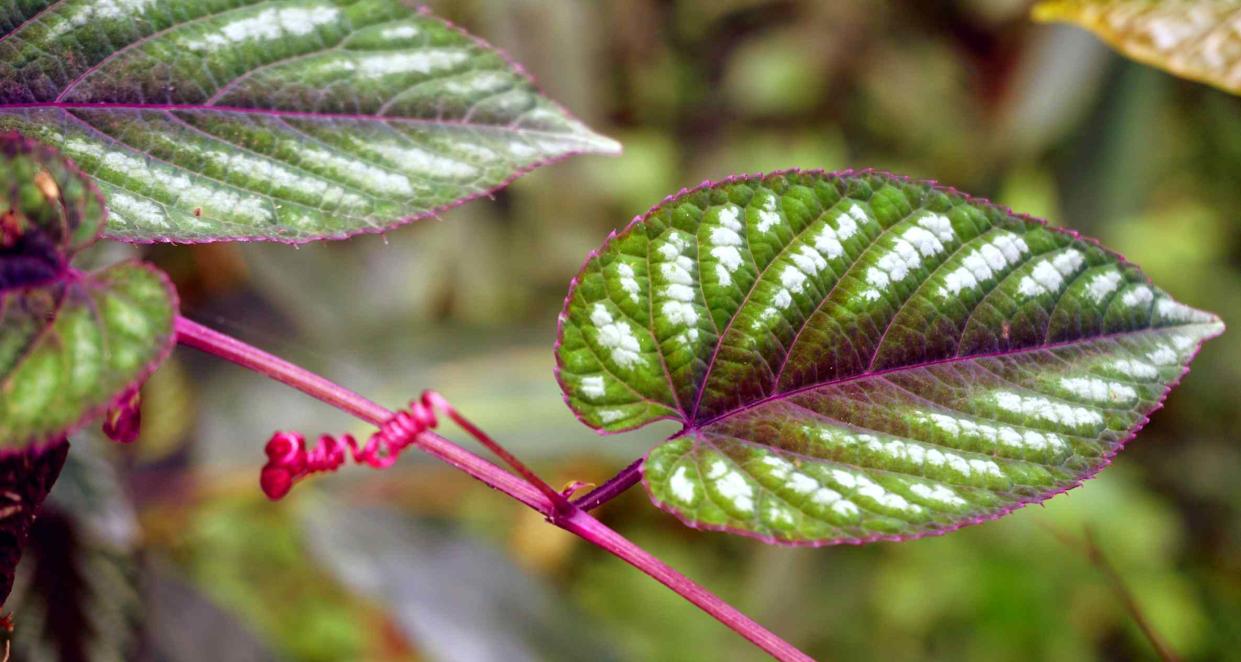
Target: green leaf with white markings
(70, 342)
(859, 356)
(281, 120)
(1195, 39)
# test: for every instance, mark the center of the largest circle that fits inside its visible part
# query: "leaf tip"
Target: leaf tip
(597, 143)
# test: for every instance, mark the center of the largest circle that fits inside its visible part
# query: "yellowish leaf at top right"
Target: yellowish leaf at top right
(1195, 39)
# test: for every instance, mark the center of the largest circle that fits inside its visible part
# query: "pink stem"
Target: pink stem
(614, 487)
(582, 524)
(558, 500)
(229, 348)
(566, 516)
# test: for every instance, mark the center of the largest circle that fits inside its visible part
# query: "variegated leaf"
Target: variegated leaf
(858, 356)
(283, 120)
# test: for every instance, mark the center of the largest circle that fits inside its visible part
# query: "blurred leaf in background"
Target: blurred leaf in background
(454, 597)
(77, 594)
(1198, 39)
(183, 625)
(248, 555)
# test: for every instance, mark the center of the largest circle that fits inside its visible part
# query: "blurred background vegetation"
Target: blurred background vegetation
(167, 550)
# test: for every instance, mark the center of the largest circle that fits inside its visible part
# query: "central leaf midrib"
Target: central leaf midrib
(692, 427)
(708, 435)
(303, 114)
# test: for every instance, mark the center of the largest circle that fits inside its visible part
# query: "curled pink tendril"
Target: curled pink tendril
(289, 460)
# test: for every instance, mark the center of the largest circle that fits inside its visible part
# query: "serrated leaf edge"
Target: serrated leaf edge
(1104, 462)
(604, 146)
(688, 428)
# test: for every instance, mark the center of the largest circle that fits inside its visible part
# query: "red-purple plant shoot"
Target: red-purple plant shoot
(289, 460)
(123, 421)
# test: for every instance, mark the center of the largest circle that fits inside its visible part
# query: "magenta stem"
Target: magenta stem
(582, 524)
(570, 518)
(226, 347)
(614, 487)
(558, 500)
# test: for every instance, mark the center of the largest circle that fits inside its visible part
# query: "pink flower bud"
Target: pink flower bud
(275, 481)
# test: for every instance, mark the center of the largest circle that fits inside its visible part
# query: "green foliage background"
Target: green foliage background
(1042, 118)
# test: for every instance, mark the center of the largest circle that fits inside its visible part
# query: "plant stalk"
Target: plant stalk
(582, 524)
(571, 518)
(612, 488)
(226, 347)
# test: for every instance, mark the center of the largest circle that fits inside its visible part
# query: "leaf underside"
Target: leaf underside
(282, 120)
(858, 356)
(1196, 39)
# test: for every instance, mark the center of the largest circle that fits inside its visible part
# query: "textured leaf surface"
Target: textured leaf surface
(286, 120)
(68, 349)
(858, 356)
(1197, 39)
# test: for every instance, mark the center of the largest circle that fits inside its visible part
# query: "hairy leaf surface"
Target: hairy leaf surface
(1197, 39)
(284, 120)
(858, 356)
(70, 342)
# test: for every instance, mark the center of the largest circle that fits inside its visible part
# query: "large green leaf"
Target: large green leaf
(285, 120)
(70, 342)
(858, 356)
(1197, 39)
